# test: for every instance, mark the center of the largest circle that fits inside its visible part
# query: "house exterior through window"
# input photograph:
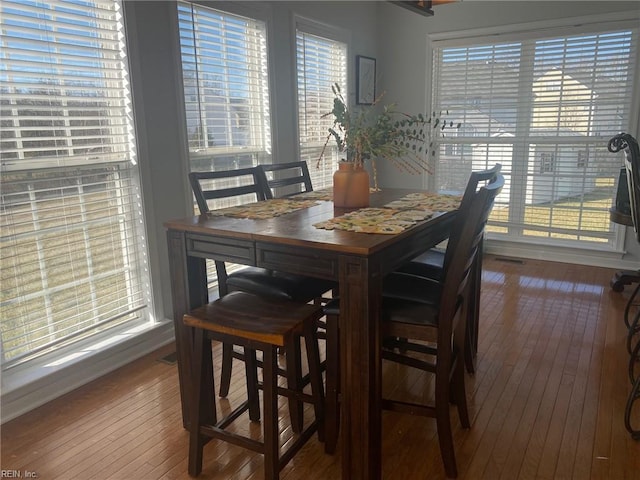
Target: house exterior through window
(544, 104)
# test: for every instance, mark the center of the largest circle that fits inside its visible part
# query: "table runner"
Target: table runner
(325, 194)
(264, 209)
(394, 217)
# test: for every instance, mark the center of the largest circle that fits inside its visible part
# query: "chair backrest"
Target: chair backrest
(467, 233)
(624, 141)
(226, 184)
(478, 177)
(282, 175)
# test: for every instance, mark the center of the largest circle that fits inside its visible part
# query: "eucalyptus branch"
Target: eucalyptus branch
(403, 140)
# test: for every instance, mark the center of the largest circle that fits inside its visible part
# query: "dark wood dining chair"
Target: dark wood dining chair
(425, 317)
(249, 183)
(431, 265)
(286, 179)
(407, 312)
(629, 145)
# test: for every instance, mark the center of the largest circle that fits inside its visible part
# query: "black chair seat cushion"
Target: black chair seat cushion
(429, 264)
(280, 285)
(406, 299)
(414, 288)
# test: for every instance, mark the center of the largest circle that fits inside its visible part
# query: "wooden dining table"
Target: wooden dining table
(290, 243)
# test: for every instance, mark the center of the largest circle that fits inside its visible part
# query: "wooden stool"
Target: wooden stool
(256, 323)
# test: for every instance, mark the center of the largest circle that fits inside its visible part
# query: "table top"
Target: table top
(296, 228)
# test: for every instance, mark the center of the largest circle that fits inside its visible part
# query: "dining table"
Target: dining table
(293, 243)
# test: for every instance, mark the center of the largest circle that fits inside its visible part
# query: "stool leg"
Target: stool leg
(332, 413)
(253, 397)
(227, 364)
(270, 423)
(294, 380)
(315, 373)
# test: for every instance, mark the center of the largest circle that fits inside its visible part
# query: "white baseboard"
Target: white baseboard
(593, 258)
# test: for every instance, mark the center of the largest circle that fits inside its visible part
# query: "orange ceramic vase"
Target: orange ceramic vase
(350, 186)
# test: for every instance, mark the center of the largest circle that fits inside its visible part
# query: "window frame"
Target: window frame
(68, 170)
(564, 27)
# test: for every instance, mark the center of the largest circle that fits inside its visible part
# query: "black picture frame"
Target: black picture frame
(365, 80)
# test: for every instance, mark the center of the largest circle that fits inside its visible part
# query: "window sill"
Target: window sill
(27, 386)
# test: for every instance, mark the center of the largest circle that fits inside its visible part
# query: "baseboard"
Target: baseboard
(592, 258)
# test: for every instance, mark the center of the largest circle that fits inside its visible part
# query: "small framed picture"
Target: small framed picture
(365, 80)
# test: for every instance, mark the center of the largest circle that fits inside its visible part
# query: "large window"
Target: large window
(226, 88)
(73, 255)
(321, 62)
(544, 105)
(226, 96)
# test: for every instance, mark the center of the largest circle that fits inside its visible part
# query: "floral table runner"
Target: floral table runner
(395, 216)
(325, 194)
(264, 209)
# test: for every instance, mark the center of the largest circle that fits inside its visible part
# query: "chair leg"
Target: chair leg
(445, 438)
(315, 374)
(294, 381)
(332, 408)
(270, 424)
(253, 396)
(227, 364)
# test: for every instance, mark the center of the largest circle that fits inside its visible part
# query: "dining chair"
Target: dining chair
(629, 145)
(285, 179)
(248, 183)
(431, 265)
(426, 315)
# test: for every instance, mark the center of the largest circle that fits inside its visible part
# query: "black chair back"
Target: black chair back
(624, 141)
(476, 178)
(226, 184)
(466, 237)
(283, 175)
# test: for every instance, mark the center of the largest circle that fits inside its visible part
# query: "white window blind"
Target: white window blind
(226, 92)
(72, 236)
(226, 88)
(544, 105)
(321, 62)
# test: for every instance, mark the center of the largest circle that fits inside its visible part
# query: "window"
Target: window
(226, 89)
(541, 103)
(547, 162)
(226, 96)
(321, 62)
(583, 157)
(73, 259)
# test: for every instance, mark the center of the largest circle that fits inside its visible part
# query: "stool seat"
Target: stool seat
(256, 323)
(251, 317)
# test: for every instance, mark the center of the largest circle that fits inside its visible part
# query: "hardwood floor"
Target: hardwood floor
(547, 402)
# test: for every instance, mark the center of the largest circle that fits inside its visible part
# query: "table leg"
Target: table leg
(360, 293)
(188, 290)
